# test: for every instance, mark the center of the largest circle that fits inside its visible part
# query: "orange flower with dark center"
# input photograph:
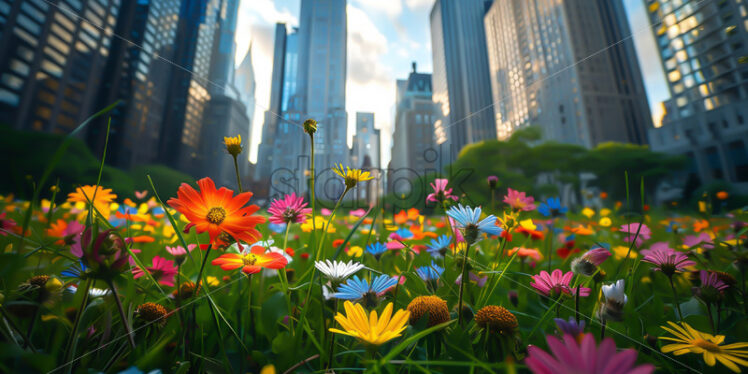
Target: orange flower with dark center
(251, 261)
(218, 211)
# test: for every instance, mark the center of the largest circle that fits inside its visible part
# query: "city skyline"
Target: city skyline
(383, 39)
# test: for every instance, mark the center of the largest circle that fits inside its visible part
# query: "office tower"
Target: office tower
(320, 88)
(461, 84)
(189, 86)
(366, 143)
(273, 113)
(703, 47)
(245, 83)
(51, 61)
(136, 73)
(568, 67)
(225, 114)
(415, 114)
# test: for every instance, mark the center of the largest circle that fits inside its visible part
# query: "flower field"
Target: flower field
(202, 280)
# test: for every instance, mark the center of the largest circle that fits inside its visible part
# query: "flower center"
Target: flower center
(249, 259)
(706, 345)
(216, 215)
(289, 215)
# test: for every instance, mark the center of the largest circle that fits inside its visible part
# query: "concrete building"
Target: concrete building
(704, 52)
(365, 155)
(461, 84)
(568, 67)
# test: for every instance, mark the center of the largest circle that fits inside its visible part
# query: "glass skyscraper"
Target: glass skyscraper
(461, 84)
(52, 61)
(568, 67)
(704, 52)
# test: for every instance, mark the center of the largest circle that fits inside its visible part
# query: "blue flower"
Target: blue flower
(467, 219)
(404, 233)
(438, 245)
(552, 207)
(277, 227)
(376, 249)
(430, 273)
(572, 327)
(359, 289)
(75, 270)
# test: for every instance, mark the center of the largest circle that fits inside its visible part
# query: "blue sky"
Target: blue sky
(384, 37)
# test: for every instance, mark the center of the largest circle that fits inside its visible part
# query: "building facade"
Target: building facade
(568, 67)
(461, 83)
(704, 52)
(246, 84)
(52, 61)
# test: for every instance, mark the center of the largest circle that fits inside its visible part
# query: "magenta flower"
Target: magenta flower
(644, 233)
(711, 279)
(6, 225)
(492, 181)
(596, 255)
(665, 259)
(441, 192)
(556, 283)
(163, 271)
(587, 264)
(290, 209)
(691, 241)
(519, 200)
(179, 251)
(569, 356)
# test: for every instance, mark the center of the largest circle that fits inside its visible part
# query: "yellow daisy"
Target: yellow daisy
(351, 176)
(689, 340)
(233, 144)
(371, 330)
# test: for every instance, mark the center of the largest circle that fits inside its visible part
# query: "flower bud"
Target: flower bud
(310, 126)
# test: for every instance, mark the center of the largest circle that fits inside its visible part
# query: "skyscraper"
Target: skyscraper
(225, 114)
(51, 61)
(461, 80)
(415, 114)
(137, 74)
(189, 86)
(366, 143)
(245, 83)
(703, 47)
(568, 67)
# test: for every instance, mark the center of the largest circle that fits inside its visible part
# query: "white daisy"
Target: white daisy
(338, 271)
(615, 292)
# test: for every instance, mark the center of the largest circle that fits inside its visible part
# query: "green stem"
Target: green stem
(130, 337)
(675, 301)
(284, 283)
(14, 327)
(465, 279)
(238, 177)
(202, 268)
(602, 329)
(74, 333)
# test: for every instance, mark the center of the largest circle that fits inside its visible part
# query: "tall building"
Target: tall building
(139, 79)
(367, 143)
(51, 61)
(189, 85)
(703, 47)
(415, 115)
(568, 67)
(461, 84)
(273, 113)
(245, 83)
(225, 115)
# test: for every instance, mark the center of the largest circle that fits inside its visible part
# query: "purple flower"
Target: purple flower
(570, 356)
(441, 192)
(665, 259)
(572, 327)
(691, 241)
(644, 233)
(492, 181)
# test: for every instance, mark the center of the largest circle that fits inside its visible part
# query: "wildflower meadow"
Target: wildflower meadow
(200, 279)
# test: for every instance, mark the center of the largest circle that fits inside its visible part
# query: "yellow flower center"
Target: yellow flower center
(250, 259)
(216, 215)
(707, 345)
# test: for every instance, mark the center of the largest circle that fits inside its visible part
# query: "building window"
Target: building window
(739, 158)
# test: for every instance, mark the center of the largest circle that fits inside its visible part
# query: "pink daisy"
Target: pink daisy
(567, 357)
(519, 200)
(665, 259)
(441, 192)
(163, 271)
(290, 209)
(179, 251)
(644, 233)
(555, 283)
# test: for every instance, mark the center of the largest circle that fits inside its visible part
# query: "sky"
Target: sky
(384, 37)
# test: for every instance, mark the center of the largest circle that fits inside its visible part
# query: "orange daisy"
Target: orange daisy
(218, 211)
(252, 261)
(99, 196)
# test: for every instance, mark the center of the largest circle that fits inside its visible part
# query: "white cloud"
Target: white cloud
(392, 8)
(370, 86)
(419, 4)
